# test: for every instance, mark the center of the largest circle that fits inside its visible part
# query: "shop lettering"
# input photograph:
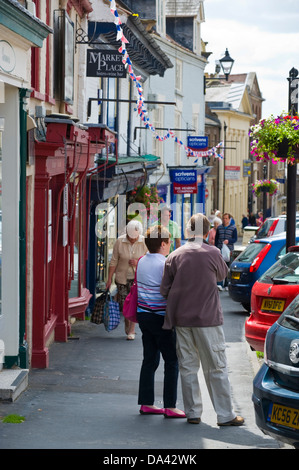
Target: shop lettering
(105, 61)
(104, 64)
(190, 173)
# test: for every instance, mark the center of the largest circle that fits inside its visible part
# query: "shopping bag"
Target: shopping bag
(225, 251)
(130, 303)
(111, 315)
(98, 309)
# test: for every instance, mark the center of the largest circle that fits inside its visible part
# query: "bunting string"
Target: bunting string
(216, 152)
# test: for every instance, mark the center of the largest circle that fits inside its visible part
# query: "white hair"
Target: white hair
(134, 228)
(217, 220)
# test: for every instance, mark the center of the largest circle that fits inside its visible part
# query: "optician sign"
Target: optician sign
(196, 142)
(184, 181)
(105, 63)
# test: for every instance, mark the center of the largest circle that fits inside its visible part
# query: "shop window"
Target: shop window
(106, 231)
(187, 212)
(177, 212)
(111, 106)
(75, 239)
(49, 225)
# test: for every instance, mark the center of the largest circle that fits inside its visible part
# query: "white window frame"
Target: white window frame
(160, 16)
(158, 147)
(178, 76)
(177, 148)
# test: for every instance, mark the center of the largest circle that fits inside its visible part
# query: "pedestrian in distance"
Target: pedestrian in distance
(171, 226)
(156, 341)
(260, 219)
(252, 219)
(226, 234)
(127, 249)
(193, 307)
(212, 232)
(244, 221)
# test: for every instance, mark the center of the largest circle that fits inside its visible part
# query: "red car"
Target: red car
(270, 296)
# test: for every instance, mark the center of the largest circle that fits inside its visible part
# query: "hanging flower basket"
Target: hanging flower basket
(268, 186)
(276, 139)
(145, 195)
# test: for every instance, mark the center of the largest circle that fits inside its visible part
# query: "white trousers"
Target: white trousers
(204, 346)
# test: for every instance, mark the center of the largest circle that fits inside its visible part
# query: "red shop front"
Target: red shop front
(60, 242)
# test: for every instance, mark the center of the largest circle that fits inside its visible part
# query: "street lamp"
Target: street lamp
(226, 64)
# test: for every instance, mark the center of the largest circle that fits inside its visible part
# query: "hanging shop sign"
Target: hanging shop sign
(105, 63)
(184, 181)
(196, 142)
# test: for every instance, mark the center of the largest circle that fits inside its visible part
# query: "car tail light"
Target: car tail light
(272, 228)
(259, 258)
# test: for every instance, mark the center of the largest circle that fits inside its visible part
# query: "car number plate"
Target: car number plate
(284, 416)
(235, 275)
(273, 305)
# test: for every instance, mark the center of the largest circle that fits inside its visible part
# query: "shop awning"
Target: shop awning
(127, 173)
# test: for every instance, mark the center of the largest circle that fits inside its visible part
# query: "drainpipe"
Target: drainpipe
(23, 346)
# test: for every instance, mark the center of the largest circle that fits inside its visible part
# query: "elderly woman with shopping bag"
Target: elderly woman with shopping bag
(127, 250)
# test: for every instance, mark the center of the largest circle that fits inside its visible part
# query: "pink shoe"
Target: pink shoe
(172, 414)
(147, 410)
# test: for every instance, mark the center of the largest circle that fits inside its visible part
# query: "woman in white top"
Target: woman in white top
(127, 249)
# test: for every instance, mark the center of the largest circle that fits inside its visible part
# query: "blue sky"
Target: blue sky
(262, 36)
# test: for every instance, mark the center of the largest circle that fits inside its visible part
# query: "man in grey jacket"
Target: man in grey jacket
(193, 307)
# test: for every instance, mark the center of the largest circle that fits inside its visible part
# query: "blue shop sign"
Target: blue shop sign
(184, 181)
(183, 176)
(197, 142)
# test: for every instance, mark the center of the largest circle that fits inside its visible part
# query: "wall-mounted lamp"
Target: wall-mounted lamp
(226, 64)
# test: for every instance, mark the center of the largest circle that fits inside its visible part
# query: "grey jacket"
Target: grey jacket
(189, 283)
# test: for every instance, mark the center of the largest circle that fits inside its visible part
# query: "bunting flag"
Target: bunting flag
(216, 152)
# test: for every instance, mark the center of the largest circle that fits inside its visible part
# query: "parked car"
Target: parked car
(276, 385)
(270, 296)
(247, 268)
(273, 226)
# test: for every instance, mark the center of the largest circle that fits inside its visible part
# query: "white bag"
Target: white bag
(225, 251)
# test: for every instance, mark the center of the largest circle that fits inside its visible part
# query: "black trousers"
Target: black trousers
(157, 341)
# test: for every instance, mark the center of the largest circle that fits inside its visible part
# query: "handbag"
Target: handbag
(225, 251)
(111, 315)
(98, 309)
(131, 301)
